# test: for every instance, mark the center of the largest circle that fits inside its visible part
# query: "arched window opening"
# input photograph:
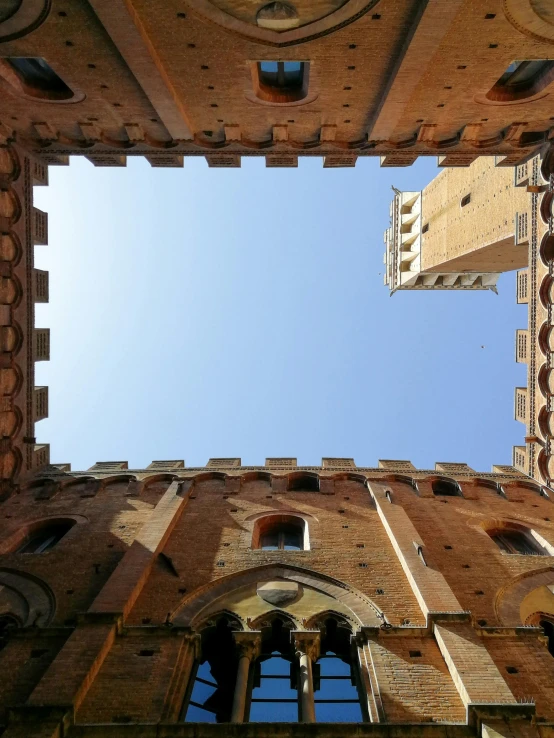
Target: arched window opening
(336, 678)
(210, 696)
(280, 533)
(522, 79)
(446, 488)
(282, 537)
(511, 541)
(281, 81)
(548, 628)
(45, 537)
(303, 483)
(275, 690)
(34, 77)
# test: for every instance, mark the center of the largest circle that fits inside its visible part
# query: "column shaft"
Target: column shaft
(241, 686)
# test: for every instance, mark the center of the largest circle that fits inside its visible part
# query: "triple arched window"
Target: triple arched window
(278, 687)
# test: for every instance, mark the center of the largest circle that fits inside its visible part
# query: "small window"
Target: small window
(303, 483)
(465, 201)
(425, 228)
(446, 488)
(282, 537)
(522, 79)
(281, 81)
(280, 533)
(45, 538)
(512, 541)
(34, 77)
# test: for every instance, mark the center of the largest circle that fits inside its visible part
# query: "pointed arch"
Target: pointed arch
(190, 610)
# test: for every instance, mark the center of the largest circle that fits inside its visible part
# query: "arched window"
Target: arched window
(281, 81)
(274, 696)
(280, 533)
(446, 488)
(522, 79)
(34, 77)
(210, 695)
(45, 537)
(512, 541)
(336, 678)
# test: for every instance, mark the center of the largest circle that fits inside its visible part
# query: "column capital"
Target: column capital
(249, 643)
(307, 642)
(195, 642)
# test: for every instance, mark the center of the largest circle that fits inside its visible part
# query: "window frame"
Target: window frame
(280, 94)
(504, 91)
(501, 538)
(271, 520)
(14, 80)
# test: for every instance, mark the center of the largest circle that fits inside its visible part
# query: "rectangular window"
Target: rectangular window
(425, 228)
(465, 201)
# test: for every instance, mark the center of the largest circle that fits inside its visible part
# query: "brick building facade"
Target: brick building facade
(153, 602)
(396, 79)
(434, 588)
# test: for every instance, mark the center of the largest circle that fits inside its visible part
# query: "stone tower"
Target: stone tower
(465, 228)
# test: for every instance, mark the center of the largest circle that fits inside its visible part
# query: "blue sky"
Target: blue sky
(199, 313)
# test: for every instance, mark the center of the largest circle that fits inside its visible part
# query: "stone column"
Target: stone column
(307, 645)
(248, 646)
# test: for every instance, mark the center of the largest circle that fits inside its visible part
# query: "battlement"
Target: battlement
(285, 465)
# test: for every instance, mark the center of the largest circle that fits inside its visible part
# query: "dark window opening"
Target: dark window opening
(304, 483)
(548, 628)
(210, 697)
(282, 81)
(33, 76)
(465, 200)
(274, 697)
(523, 79)
(282, 537)
(445, 488)
(336, 679)
(516, 542)
(45, 538)
(7, 626)
(425, 228)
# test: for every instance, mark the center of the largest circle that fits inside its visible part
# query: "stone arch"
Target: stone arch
(161, 477)
(26, 598)
(16, 538)
(517, 602)
(317, 621)
(10, 247)
(256, 476)
(297, 479)
(234, 620)
(364, 610)
(265, 620)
